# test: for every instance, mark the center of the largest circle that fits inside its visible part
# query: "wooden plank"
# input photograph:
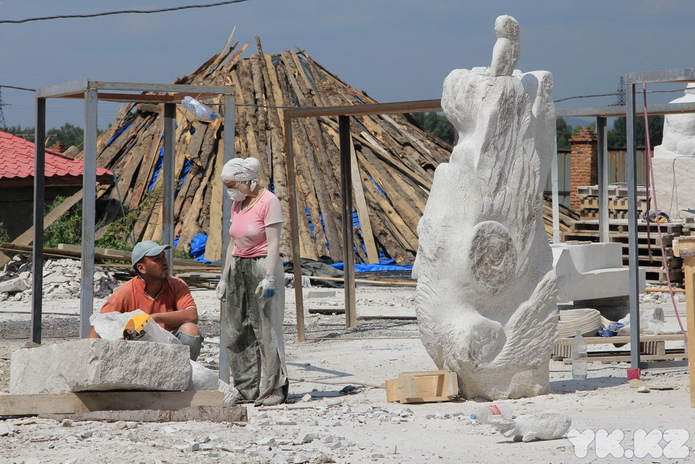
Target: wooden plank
(193, 413)
(422, 387)
(610, 358)
(689, 278)
(405, 283)
(621, 339)
(70, 403)
(120, 255)
(28, 236)
(362, 210)
(276, 140)
(213, 246)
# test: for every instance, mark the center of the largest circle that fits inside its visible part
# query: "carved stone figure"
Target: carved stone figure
(674, 161)
(505, 54)
(679, 130)
(486, 292)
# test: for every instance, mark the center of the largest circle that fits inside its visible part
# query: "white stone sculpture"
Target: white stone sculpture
(674, 161)
(486, 292)
(679, 130)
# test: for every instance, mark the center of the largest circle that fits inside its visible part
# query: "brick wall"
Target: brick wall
(583, 163)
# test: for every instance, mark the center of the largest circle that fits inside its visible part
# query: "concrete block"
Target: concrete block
(99, 365)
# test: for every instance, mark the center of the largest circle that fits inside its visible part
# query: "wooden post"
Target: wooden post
(685, 248)
(346, 194)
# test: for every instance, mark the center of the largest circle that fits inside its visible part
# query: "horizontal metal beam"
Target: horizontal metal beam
(150, 97)
(77, 89)
(668, 75)
(417, 106)
(620, 111)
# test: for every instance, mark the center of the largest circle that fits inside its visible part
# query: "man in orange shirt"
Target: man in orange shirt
(167, 299)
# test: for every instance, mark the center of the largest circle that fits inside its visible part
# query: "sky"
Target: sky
(394, 50)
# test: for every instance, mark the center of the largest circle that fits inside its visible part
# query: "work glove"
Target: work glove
(221, 290)
(266, 288)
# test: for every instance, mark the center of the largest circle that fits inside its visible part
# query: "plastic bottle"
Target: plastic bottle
(199, 109)
(482, 414)
(579, 357)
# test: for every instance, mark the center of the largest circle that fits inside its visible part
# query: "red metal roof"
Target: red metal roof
(17, 161)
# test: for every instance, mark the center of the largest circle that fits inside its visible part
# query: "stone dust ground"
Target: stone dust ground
(361, 427)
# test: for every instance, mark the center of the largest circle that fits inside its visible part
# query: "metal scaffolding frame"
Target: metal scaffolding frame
(629, 111)
(343, 113)
(91, 92)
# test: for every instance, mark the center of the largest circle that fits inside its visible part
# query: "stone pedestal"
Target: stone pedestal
(675, 189)
(98, 364)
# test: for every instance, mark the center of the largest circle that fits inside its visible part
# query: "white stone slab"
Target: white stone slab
(98, 364)
(590, 271)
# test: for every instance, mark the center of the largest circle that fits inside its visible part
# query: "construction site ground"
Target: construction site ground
(338, 410)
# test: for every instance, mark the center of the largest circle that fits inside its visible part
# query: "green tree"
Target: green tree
(67, 228)
(67, 135)
(436, 124)
(617, 137)
(563, 132)
(27, 133)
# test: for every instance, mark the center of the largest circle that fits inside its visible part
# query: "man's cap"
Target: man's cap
(147, 248)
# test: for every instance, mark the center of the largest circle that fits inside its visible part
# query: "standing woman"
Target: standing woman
(253, 309)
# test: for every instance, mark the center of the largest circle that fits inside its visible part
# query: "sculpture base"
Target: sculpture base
(499, 384)
(675, 190)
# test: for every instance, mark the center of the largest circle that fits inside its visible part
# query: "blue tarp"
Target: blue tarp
(119, 132)
(198, 248)
(384, 265)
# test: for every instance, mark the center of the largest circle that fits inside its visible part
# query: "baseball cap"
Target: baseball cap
(147, 248)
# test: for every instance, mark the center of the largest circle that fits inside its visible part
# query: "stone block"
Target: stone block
(591, 270)
(98, 365)
(13, 285)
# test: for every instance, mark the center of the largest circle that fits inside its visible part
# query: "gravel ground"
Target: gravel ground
(338, 410)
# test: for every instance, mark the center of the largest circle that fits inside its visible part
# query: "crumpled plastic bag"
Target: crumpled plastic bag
(650, 322)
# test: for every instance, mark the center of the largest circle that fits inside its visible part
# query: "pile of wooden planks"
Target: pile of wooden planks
(394, 159)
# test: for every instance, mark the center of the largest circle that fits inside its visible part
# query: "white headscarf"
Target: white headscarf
(240, 169)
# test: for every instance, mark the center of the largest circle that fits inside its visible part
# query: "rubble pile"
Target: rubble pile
(61, 280)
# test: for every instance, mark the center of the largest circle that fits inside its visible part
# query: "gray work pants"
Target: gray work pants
(254, 331)
(195, 343)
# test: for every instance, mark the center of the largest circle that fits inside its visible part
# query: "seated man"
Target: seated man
(165, 298)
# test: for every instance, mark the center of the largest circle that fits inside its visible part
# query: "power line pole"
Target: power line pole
(620, 101)
(2, 114)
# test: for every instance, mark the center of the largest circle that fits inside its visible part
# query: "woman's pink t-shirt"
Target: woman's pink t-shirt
(248, 227)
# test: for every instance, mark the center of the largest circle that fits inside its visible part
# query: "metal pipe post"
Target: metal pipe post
(168, 181)
(601, 148)
(631, 173)
(89, 182)
(555, 196)
(228, 141)
(39, 192)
